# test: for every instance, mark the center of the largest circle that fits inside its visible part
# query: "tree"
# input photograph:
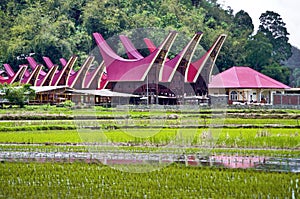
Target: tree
(243, 24)
(278, 72)
(57, 28)
(17, 94)
(234, 51)
(293, 63)
(196, 3)
(295, 77)
(105, 17)
(258, 52)
(273, 27)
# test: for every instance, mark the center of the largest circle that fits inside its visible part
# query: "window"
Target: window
(233, 95)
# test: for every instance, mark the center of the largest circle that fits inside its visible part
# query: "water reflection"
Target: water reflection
(280, 164)
(226, 161)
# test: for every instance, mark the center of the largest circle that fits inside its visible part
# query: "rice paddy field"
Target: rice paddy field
(54, 152)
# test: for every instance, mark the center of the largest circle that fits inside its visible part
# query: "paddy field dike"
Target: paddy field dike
(142, 152)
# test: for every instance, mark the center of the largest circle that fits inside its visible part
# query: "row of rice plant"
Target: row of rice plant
(80, 180)
(35, 122)
(40, 136)
(45, 148)
(27, 125)
(138, 112)
(246, 138)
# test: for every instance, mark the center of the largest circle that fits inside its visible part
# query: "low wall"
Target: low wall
(288, 100)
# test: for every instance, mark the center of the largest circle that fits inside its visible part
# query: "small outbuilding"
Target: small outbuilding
(245, 85)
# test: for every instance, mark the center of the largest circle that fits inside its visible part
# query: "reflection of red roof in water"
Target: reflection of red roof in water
(237, 161)
(244, 77)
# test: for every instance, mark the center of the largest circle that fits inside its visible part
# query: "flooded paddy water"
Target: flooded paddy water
(118, 158)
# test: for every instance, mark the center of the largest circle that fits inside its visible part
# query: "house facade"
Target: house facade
(245, 85)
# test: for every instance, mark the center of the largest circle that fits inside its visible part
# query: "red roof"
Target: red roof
(244, 77)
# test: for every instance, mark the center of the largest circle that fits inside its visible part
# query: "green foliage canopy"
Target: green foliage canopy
(17, 94)
(57, 28)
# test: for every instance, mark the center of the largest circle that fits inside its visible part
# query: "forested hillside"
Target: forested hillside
(60, 28)
(294, 63)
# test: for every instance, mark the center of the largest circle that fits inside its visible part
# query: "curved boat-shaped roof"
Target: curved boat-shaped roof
(50, 64)
(9, 71)
(181, 59)
(33, 64)
(63, 61)
(33, 76)
(47, 80)
(120, 69)
(150, 45)
(77, 79)
(131, 51)
(195, 68)
(103, 81)
(17, 77)
(96, 78)
(62, 77)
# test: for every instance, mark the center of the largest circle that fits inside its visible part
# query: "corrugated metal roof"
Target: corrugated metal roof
(39, 89)
(244, 77)
(105, 92)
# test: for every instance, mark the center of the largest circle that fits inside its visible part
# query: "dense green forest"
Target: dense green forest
(60, 28)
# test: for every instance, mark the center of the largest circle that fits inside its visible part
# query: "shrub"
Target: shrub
(68, 103)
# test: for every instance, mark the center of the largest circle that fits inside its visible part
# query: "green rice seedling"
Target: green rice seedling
(274, 138)
(67, 180)
(41, 136)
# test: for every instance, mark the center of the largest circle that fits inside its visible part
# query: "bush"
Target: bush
(18, 94)
(68, 103)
